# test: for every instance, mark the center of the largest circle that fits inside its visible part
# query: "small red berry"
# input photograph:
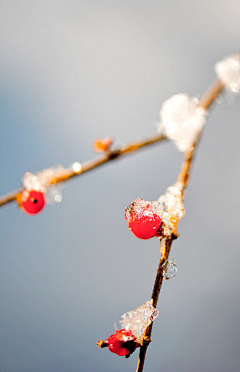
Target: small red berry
(122, 343)
(32, 201)
(143, 221)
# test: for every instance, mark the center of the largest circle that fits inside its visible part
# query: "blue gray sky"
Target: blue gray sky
(72, 71)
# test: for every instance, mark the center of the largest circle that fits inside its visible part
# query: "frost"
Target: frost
(170, 269)
(181, 120)
(138, 208)
(173, 203)
(170, 207)
(228, 71)
(137, 320)
(42, 181)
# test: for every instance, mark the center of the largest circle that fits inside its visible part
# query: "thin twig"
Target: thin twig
(205, 102)
(91, 164)
(155, 295)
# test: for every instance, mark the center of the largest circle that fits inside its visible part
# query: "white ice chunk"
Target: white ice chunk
(170, 207)
(137, 320)
(42, 181)
(228, 71)
(181, 120)
(173, 203)
(30, 181)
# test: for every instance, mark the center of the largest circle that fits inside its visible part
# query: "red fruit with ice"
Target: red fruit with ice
(32, 201)
(122, 343)
(143, 221)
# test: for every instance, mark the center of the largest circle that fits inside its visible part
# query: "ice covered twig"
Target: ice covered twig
(182, 179)
(43, 181)
(181, 120)
(171, 209)
(139, 319)
(77, 169)
(228, 71)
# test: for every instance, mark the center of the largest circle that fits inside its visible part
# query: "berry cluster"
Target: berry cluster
(143, 221)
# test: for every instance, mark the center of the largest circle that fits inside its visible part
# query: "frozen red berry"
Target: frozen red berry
(122, 343)
(32, 201)
(143, 221)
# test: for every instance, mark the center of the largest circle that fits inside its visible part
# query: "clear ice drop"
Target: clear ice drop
(170, 269)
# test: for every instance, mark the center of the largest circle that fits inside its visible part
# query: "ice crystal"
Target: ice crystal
(137, 320)
(42, 181)
(181, 120)
(173, 203)
(138, 208)
(228, 71)
(170, 269)
(170, 207)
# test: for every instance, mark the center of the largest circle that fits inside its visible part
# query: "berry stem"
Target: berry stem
(183, 177)
(205, 102)
(91, 164)
(165, 251)
(102, 344)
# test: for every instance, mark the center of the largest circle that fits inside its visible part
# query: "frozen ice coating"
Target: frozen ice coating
(228, 71)
(137, 320)
(41, 181)
(139, 206)
(173, 203)
(181, 120)
(170, 269)
(170, 207)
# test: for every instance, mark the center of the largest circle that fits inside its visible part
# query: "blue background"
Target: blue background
(72, 71)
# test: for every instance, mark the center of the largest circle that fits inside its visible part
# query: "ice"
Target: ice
(137, 320)
(42, 181)
(170, 207)
(182, 120)
(138, 208)
(228, 71)
(170, 269)
(174, 204)
(31, 182)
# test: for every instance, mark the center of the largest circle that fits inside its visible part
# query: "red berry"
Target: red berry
(32, 201)
(143, 221)
(122, 343)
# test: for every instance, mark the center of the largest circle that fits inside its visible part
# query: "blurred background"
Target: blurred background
(72, 71)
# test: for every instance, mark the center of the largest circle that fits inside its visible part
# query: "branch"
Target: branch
(205, 102)
(90, 164)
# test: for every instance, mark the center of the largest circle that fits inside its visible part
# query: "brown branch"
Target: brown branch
(155, 295)
(205, 102)
(91, 164)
